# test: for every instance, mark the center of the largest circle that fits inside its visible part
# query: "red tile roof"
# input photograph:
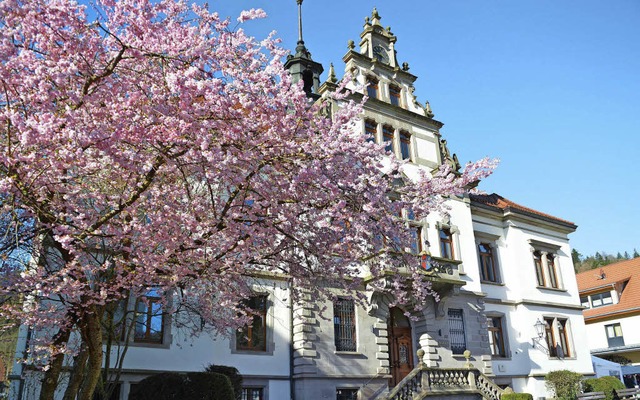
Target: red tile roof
(497, 201)
(612, 275)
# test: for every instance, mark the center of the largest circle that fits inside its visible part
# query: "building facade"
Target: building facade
(501, 268)
(611, 297)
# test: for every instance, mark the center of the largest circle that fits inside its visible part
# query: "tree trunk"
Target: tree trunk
(77, 374)
(52, 375)
(92, 335)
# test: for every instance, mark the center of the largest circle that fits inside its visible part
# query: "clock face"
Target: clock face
(380, 54)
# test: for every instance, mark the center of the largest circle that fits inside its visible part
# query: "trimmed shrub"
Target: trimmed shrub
(563, 383)
(606, 384)
(190, 386)
(232, 373)
(516, 396)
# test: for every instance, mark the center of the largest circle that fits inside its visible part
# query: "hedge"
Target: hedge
(232, 373)
(606, 384)
(189, 386)
(516, 396)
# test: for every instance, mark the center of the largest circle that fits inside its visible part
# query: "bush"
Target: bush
(232, 373)
(190, 386)
(563, 383)
(516, 396)
(606, 384)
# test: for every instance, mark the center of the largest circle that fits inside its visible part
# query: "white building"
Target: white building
(611, 295)
(503, 267)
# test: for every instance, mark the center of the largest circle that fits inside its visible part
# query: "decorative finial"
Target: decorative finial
(427, 109)
(351, 44)
(366, 21)
(299, 21)
(374, 14)
(467, 356)
(332, 74)
(405, 66)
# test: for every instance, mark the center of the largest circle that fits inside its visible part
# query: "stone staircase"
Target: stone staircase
(445, 383)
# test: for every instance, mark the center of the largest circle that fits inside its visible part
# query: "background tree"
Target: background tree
(157, 149)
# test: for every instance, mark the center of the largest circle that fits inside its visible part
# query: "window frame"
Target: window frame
(446, 242)
(558, 337)
(497, 334)
(344, 325)
(249, 390)
(347, 396)
(388, 138)
(537, 261)
(247, 330)
(616, 340)
(460, 330)
(487, 270)
(395, 95)
(371, 130)
(373, 87)
(405, 145)
(148, 302)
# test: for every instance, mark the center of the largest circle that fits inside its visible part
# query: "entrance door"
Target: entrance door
(400, 342)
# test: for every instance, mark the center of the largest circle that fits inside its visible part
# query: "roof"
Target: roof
(498, 202)
(609, 277)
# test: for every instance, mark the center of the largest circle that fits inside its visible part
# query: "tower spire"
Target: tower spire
(301, 66)
(300, 41)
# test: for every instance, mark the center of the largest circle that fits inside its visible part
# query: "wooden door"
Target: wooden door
(401, 346)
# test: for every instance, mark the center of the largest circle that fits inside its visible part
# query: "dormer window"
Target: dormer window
(394, 95)
(372, 88)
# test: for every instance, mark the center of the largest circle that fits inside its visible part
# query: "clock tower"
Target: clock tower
(378, 42)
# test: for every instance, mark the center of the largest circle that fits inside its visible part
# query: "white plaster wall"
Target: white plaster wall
(597, 337)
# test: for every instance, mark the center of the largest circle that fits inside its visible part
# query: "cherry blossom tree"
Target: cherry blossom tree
(156, 146)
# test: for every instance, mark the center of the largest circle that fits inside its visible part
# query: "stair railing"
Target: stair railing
(423, 379)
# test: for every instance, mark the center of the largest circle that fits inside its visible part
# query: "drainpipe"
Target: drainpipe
(292, 392)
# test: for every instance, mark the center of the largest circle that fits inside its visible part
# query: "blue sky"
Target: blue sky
(552, 88)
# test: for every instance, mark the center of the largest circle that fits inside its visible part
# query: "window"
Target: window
(584, 300)
(545, 261)
(416, 239)
(564, 338)
(557, 337)
(487, 263)
(149, 318)
(253, 336)
(346, 394)
(614, 335)
(405, 145)
(370, 128)
(537, 260)
(456, 331)
(551, 271)
(394, 95)
(387, 137)
(446, 244)
(252, 393)
(601, 299)
(496, 336)
(344, 324)
(416, 232)
(372, 88)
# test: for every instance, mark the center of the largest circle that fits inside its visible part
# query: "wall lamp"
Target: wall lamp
(538, 341)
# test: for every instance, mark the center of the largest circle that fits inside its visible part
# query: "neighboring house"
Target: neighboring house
(498, 267)
(611, 297)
